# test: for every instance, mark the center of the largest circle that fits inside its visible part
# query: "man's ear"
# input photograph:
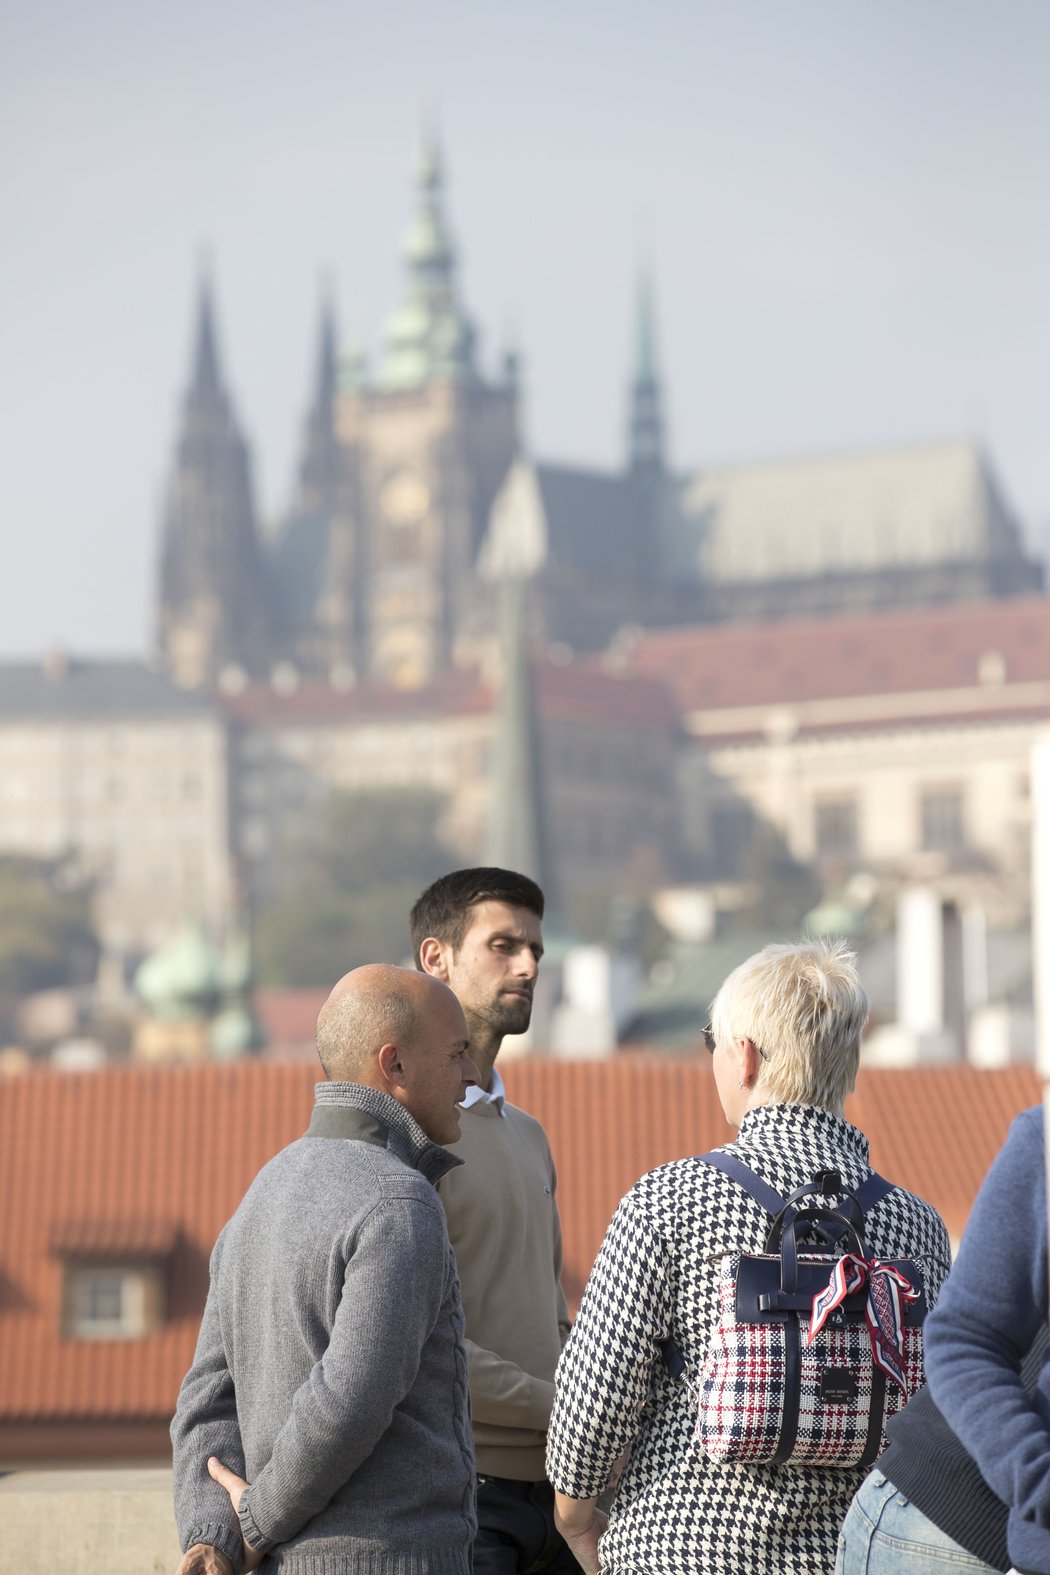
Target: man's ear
(391, 1067)
(432, 958)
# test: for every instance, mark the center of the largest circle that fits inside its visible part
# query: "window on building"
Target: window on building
(942, 814)
(111, 1301)
(835, 827)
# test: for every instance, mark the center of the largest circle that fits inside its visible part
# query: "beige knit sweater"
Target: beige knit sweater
(503, 1224)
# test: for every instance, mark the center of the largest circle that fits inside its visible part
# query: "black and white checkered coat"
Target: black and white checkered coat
(676, 1513)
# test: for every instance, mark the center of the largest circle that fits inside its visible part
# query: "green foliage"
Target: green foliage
(782, 891)
(47, 937)
(350, 882)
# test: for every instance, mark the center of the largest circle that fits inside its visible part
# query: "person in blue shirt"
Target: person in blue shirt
(990, 1312)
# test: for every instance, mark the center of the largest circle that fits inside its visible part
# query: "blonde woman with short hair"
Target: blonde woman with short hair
(784, 1040)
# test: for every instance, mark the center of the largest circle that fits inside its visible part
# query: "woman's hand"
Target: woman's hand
(581, 1523)
(236, 1487)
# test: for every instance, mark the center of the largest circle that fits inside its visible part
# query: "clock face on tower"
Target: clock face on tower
(403, 498)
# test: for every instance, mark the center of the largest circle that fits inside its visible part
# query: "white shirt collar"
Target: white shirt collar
(496, 1095)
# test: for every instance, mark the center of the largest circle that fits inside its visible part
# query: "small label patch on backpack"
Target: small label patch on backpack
(838, 1386)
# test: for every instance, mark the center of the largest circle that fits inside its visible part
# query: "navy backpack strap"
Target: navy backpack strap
(760, 1190)
(870, 1192)
(873, 1191)
(764, 1196)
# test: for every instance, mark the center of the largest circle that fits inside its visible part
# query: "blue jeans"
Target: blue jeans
(884, 1534)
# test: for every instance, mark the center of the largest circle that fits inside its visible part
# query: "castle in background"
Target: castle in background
(846, 659)
(415, 493)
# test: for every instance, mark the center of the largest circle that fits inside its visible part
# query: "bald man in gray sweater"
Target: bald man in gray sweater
(325, 1419)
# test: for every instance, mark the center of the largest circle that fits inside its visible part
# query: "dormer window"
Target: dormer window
(113, 1278)
(116, 1301)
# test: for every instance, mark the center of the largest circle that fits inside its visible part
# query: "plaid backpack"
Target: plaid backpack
(816, 1344)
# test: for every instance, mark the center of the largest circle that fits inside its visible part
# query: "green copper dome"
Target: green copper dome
(426, 242)
(233, 1033)
(182, 979)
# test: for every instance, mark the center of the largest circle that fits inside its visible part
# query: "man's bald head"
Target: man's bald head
(368, 1008)
(403, 1033)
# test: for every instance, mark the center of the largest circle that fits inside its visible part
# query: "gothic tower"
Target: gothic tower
(646, 470)
(646, 434)
(212, 585)
(425, 447)
(319, 467)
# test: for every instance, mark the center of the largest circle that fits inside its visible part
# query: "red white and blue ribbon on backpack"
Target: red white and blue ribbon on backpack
(889, 1294)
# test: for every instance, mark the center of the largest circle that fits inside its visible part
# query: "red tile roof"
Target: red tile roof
(288, 1017)
(453, 693)
(564, 691)
(118, 1239)
(901, 652)
(146, 1158)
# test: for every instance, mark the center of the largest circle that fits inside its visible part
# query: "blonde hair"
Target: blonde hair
(804, 1006)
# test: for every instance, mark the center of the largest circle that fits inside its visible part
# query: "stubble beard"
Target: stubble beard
(502, 1017)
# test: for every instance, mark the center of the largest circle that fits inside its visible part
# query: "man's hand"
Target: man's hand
(203, 1559)
(236, 1487)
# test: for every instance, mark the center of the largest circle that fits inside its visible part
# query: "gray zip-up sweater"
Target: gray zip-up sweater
(330, 1368)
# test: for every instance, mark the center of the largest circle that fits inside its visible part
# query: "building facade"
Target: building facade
(114, 764)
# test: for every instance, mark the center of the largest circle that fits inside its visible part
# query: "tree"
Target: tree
(47, 937)
(352, 878)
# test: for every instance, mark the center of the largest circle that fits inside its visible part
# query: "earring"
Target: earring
(742, 1083)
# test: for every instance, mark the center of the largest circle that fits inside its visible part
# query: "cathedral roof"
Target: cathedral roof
(919, 504)
(559, 515)
(923, 504)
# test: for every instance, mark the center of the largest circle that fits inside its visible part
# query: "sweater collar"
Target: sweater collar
(367, 1115)
(805, 1120)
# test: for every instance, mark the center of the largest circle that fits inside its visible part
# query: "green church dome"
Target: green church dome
(181, 980)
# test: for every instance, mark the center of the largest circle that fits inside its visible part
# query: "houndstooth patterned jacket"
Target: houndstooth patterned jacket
(675, 1512)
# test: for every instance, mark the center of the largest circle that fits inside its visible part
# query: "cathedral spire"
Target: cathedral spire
(319, 469)
(428, 247)
(206, 381)
(212, 590)
(646, 420)
(430, 338)
(327, 356)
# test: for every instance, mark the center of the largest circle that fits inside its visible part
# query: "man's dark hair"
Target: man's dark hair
(444, 908)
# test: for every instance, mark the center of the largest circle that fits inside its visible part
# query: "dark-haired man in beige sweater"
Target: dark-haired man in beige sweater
(479, 931)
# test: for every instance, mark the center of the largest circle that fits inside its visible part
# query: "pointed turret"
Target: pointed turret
(205, 382)
(517, 823)
(319, 469)
(646, 420)
(212, 591)
(429, 338)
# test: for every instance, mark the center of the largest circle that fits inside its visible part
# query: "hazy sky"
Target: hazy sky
(846, 208)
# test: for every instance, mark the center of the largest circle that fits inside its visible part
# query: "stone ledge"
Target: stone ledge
(84, 1522)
